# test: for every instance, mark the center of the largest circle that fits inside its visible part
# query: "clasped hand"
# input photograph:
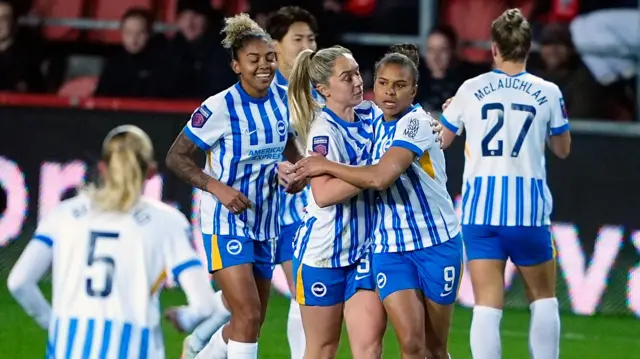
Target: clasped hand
(287, 178)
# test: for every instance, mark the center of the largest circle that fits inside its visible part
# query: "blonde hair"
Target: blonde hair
(511, 33)
(128, 152)
(313, 68)
(239, 28)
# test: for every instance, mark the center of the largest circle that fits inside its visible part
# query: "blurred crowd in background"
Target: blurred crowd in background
(589, 48)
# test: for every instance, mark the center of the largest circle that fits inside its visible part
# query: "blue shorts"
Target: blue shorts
(324, 287)
(284, 248)
(435, 270)
(525, 246)
(229, 251)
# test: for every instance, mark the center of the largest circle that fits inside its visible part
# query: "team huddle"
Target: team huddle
(349, 196)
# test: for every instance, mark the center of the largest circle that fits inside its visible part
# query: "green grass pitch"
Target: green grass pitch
(597, 337)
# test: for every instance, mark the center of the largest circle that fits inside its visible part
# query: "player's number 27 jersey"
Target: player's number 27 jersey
(507, 120)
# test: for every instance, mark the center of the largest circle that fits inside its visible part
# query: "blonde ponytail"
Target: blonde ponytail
(309, 70)
(127, 153)
(302, 105)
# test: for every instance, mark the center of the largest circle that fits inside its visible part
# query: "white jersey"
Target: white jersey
(292, 205)
(107, 272)
(244, 138)
(416, 211)
(507, 120)
(338, 236)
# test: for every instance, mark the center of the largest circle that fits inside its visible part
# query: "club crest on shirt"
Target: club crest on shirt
(281, 127)
(565, 115)
(320, 144)
(200, 117)
(412, 128)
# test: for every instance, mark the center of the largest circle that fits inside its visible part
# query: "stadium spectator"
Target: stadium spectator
(561, 65)
(442, 71)
(20, 59)
(200, 66)
(134, 71)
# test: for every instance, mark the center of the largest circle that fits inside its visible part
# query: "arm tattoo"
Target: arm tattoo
(180, 161)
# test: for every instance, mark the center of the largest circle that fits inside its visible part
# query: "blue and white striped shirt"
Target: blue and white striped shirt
(244, 138)
(84, 337)
(338, 236)
(292, 205)
(416, 211)
(108, 270)
(508, 119)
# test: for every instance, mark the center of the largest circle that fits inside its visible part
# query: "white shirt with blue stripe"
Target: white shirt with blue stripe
(338, 236)
(507, 121)
(108, 269)
(292, 206)
(416, 211)
(244, 138)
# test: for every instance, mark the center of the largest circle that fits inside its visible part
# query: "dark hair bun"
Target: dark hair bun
(408, 50)
(514, 18)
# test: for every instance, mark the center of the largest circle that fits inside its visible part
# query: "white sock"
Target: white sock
(215, 349)
(485, 333)
(203, 332)
(239, 350)
(544, 330)
(295, 332)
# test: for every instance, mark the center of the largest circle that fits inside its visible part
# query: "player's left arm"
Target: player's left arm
(559, 139)
(186, 268)
(34, 262)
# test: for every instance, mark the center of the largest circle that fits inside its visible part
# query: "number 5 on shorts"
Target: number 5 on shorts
(364, 266)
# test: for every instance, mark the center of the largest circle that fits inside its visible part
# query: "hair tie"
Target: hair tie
(312, 55)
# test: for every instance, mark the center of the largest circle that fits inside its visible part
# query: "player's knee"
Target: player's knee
(326, 350)
(247, 319)
(439, 352)
(413, 345)
(367, 351)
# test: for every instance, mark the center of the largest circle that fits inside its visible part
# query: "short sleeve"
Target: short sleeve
(452, 117)
(46, 232)
(414, 133)
(559, 122)
(179, 253)
(207, 124)
(322, 140)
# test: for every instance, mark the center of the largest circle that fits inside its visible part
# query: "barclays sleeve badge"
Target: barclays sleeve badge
(320, 144)
(565, 115)
(200, 117)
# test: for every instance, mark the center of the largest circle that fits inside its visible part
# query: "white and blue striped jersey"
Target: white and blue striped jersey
(292, 205)
(416, 211)
(107, 271)
(507, 121)
(337, 236)
(244, 138)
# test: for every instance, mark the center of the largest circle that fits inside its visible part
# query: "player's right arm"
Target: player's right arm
(559, 140)
(33, 264)
(452, 117)
(186, 268)
(328, 190)
(202, 133)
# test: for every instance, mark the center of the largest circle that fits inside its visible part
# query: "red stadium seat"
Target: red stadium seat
(110, 10)
(471, 19)
(59, 9)
(81, 87)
